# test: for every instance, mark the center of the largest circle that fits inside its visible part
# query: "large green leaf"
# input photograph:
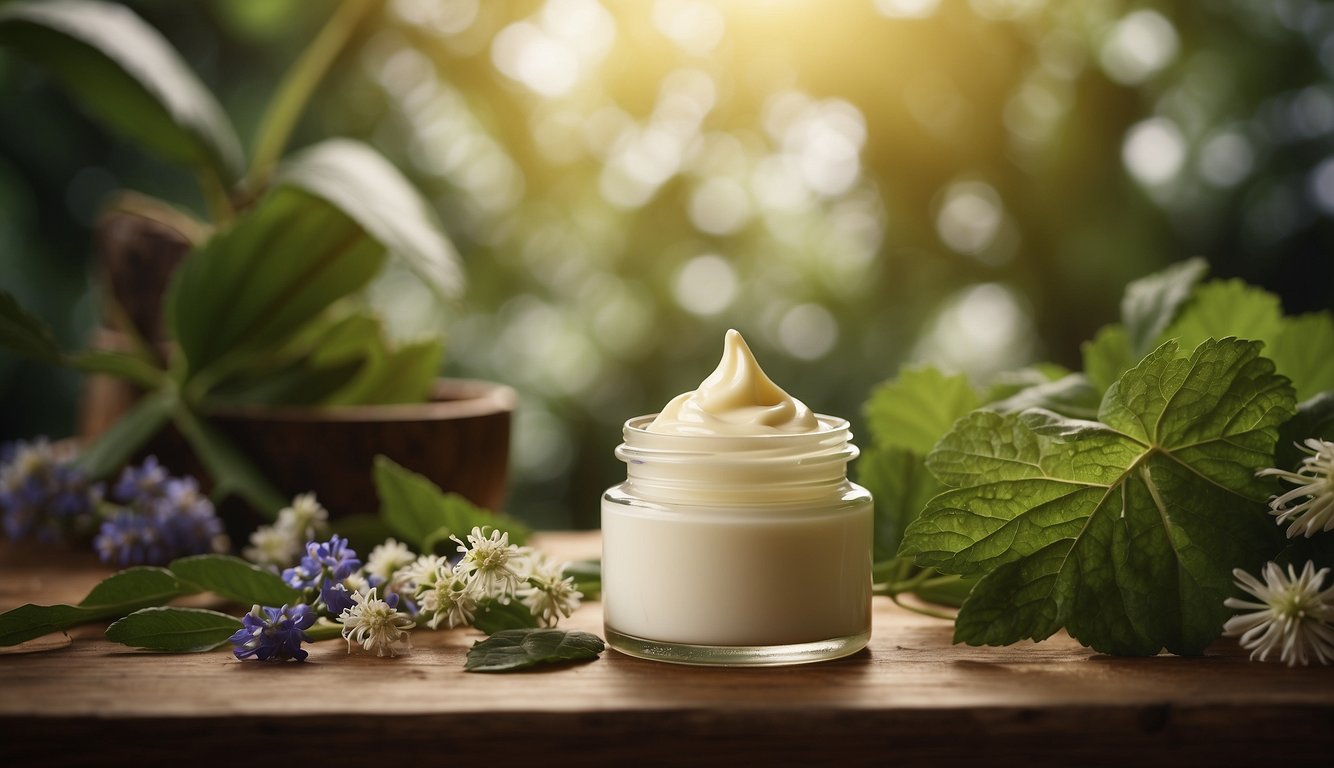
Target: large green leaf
(1071, 395)
(1304, 352)
(913, 410)
(901, 486)
(403, 374)
(1106, 356)
(174, 630)
(234, 579)
(1221, 308)
(122, 365)
(360, 182)
(422, 515)
(115, 596)
(1125, 530)
(1151, 303)
(128, 76)
(249, 290)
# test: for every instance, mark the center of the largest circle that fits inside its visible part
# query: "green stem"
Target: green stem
(324, 630)
(220, 209)
(922, 610)
(297, 86)
(922, 578)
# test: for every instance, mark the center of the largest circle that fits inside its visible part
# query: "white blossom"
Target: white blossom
(549, 594)
(446, 597)
(1293, 618)
(270, 545)
(491, 565)
(283, 543)
(387, 558)
(1314, 493)
(375, 625)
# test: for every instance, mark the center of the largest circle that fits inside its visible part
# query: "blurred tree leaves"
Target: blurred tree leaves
(126, 73)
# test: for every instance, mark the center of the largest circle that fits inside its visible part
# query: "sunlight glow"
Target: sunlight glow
(1138, 47)
(705, 285)
(1154, 151)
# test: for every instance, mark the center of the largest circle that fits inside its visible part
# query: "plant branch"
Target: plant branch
(296, 88)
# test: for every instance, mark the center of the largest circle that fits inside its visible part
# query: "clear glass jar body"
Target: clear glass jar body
(733, 550)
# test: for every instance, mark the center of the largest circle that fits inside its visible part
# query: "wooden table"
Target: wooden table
(911, 698)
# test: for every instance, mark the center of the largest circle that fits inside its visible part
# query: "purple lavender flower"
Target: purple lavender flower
(331, 561)
(187, 518)
(142, 483)
(43, 493)
(170, 519)
(274, 634)
(336, 597)
(131, 538)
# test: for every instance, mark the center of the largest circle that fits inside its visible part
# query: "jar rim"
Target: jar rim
(830, 444)
(829, 425)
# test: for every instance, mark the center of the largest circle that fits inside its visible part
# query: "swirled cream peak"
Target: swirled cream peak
(736, 399)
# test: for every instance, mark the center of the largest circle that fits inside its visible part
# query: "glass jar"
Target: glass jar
(737, 550)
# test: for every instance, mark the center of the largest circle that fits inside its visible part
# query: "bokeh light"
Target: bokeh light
(855, 185)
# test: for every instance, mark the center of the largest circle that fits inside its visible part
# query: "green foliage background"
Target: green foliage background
(989, 220)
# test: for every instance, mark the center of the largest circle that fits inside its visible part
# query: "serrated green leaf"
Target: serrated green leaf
(174, 630)
(22, 332)
(1125, 530)
(901, 486)
(493, 617)
(1150, 304)
(115, 447)
(521, 648)
(115, 596)
(1009, 383)
(416, 509)
(913, 410)
(234, 579)
(1107, 356)
(1222, 308)
(1304, 352)
(126, 74)
(1070, 395)
(360, 182)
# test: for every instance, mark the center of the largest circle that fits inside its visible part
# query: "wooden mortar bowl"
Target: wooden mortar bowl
(459, 440)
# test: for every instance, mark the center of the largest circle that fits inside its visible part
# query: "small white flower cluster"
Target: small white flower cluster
(375, 625)
(282, 544)
(1294, 618)
(489, 569)
(492, 569)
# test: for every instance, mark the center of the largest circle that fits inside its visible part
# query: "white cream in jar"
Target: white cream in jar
(737, 537)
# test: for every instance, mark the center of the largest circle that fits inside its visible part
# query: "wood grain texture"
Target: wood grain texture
(912, 698)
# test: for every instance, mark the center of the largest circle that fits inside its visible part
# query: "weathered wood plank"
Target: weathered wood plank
(911, 695)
